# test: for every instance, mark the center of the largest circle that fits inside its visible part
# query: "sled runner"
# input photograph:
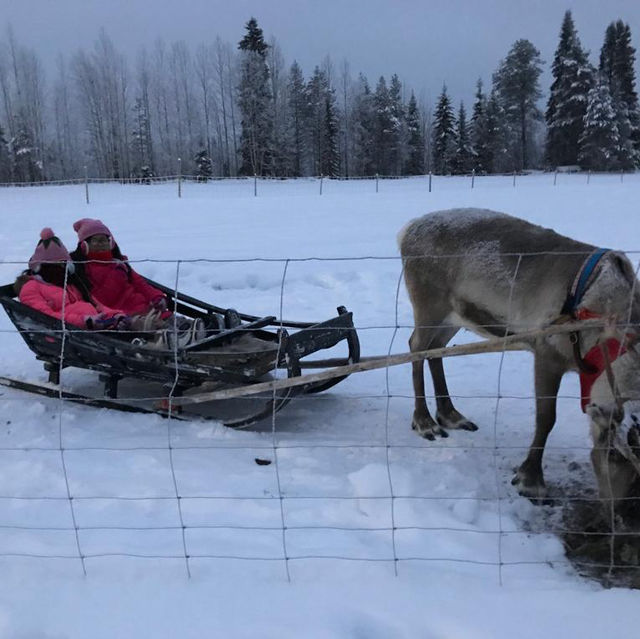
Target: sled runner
(244, 351)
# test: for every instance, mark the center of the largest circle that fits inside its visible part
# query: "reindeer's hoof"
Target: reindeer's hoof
(533, 490)
(456, 422)
(428, 430)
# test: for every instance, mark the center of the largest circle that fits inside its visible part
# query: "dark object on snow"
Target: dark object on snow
(239, 353)
(262, 462)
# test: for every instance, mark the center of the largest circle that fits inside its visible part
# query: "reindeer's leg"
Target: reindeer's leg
(420, 340)
(447, 416)
(529, 477)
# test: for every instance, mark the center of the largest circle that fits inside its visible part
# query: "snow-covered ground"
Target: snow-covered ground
(455, 553)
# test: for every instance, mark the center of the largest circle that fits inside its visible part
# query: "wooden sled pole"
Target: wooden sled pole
(516, 342)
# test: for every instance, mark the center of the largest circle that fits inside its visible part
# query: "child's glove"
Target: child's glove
(159, 303)
(122, 322)
(100, 322)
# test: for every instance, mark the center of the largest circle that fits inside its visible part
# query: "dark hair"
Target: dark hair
(21, 280)
(79, 258)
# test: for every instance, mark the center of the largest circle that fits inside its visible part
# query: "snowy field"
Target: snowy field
(385, 535)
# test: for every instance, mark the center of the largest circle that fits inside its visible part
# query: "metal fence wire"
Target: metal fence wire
(172, 489)
(258, 185)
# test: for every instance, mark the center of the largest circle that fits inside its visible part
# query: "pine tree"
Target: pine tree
(253, 40)
(297, 115)
(517, 85)
(499, 132)
(607, 54)
(315, 121)
(623, 68)
(363, 126)
(573, 78)
(600, 140)
(414, 164)
(255, 102)
(479, 132)
(627, 132)
(399, 135)
(617, 58)
(204, 166)
(444, 136)
(322, 125)
(463, 158)
(383, 140)
(330, 160)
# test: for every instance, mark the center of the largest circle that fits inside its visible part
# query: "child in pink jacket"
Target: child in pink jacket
(51, 287)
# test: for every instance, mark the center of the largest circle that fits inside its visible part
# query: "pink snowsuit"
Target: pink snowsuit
(49, 299)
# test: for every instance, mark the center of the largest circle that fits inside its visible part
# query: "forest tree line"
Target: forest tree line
(231, 110)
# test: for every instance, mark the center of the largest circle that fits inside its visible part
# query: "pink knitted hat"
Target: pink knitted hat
(86, 227)
(49, 249)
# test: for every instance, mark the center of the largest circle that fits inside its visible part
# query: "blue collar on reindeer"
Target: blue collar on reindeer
(573, 300)
(574, 297)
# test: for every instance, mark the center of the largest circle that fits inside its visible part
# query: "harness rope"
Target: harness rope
(515, 341)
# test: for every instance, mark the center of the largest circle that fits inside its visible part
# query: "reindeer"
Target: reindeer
(498, 275)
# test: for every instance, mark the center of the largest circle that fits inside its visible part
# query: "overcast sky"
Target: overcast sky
(426, 42)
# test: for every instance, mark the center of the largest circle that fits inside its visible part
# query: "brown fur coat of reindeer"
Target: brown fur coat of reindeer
(498, 275)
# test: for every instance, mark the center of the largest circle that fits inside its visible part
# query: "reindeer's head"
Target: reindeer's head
(614, 409)
(616, 455)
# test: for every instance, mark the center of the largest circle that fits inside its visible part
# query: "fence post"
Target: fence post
(86, 184)
(376, 182)
(473, 176)
(588, 176)
(621, 176)
(179, 177)
(555, 177)
(321, 176)
(429, 181)
(514, 178)
(255, 185)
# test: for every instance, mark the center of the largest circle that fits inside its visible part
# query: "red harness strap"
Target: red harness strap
(585, 314)
(595, 358)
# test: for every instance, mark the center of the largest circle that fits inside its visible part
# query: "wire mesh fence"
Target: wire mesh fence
(263, 185)
(83, 485)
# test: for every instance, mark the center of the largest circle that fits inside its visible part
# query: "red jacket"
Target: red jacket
(117, 286)
(49, 299)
